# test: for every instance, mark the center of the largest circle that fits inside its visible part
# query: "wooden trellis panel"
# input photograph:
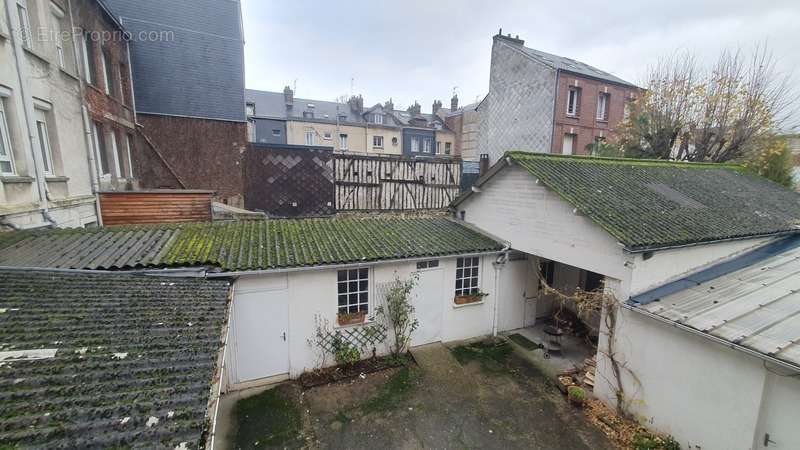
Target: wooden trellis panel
(388, 183)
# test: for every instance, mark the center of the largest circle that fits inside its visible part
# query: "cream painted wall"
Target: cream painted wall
(313, 292)
(443, 137)
(388, 134)
(70, 185)
(296, 134)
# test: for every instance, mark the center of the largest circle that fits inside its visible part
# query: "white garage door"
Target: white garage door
(261, 347)
(428, 304)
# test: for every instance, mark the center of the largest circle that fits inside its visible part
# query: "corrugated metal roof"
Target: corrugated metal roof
(752, 301)
(245, 245)
(115, 361)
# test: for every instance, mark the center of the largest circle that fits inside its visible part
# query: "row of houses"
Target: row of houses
(705, 291)
(280, 118)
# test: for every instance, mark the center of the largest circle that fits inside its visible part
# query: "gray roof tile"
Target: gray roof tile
(571, 65)
(128, 350)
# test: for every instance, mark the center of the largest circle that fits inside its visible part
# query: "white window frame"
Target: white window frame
(112, 134)
(572, 101)
(572, 137)
(343, 141)
(602, 106)
(24, 22)
(43, 136)
(129, 154)
(415, 144)
(250, 109)
(377, 141)
(361, 276)
(427, 145)
(5, 140)
(473, 265)
(58, 15)
(104, 63)
(377, 118)
(310, 137)
(88, 73)
(98, 151)
(448, 148)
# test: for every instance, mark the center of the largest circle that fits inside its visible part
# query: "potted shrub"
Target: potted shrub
(470, 298)
(351, 318)
(576, 395)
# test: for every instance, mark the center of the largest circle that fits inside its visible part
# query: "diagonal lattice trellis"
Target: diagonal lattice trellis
(362, 337)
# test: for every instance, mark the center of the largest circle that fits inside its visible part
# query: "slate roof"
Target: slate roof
(198, 69)
(128, 351)
(648, 204)
(752, 301)
(244, 245)
(571, 65)
(272, 105)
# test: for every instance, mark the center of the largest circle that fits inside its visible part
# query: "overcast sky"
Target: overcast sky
(422, 49)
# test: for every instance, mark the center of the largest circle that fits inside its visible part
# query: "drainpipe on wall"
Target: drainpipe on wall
(27, 105)
(499, 263)
(87, 123)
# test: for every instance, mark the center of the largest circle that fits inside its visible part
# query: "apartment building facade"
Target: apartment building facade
(347, 127)
(547, 103)
(45, 164)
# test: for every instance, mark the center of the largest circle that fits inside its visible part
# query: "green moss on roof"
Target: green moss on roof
(246, 245)
(649, 204)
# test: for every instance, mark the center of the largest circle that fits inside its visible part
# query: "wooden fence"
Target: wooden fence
(297, 181)
(155, 206)
(387, 183)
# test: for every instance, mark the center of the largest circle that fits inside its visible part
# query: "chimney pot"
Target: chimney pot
(288, 96)
(454, 103)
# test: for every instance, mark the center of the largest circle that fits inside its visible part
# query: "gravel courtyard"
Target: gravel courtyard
(475, 396)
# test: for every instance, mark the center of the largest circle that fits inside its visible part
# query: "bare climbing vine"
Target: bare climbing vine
(598, 301)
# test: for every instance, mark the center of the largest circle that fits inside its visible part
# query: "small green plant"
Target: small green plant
(345, 352)
(576, 395)
(645, 440)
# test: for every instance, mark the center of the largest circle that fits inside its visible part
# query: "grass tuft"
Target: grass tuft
(269, 419)
(492, 356)
(396, 389)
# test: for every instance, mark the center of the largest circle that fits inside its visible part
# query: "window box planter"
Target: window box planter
(467, 299)
(351, 319)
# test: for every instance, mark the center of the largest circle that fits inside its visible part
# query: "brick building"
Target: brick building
(105, 79)
(546, 103)
(188, 78)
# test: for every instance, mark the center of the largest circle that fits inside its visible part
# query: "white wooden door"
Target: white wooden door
(260, 330)
(428, 306)
(778, 425)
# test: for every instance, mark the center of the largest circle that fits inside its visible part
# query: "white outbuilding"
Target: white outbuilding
(712, 361)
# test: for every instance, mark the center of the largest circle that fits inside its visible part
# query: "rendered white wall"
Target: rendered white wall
(313, 292)
(700, 392)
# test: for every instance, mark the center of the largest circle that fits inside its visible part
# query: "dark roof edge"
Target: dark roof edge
(746, 259)
(627, 84)
(113, 18)
(184, 116)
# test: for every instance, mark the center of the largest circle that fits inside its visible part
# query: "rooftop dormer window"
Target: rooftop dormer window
(377, 118)
(251, 109)
(308, 114)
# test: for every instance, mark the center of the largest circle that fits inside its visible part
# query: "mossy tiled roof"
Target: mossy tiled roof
(124, 361)
(649, 204)
(245, 245)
